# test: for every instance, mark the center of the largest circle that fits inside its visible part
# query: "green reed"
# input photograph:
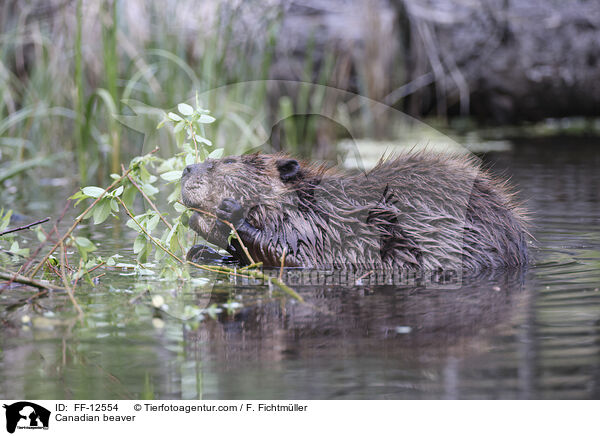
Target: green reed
(67, 96)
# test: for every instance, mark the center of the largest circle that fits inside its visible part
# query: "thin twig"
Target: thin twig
(138, 296)
(218, 269)
(96, 267)
(285, 288)
(16, 229)
(152, 205)
(10, 281)
(97, 277)
(364, 276)
(150, 202)
(251, 266)
(282, 263)
(43, 244)
(52, 268)
(39, 294)
(149, 236)
(78, 275)
(194, 139)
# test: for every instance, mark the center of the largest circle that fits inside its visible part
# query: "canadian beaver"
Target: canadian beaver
(415, 211)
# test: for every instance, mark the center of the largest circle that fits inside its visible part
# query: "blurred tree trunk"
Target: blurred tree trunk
(503, 60)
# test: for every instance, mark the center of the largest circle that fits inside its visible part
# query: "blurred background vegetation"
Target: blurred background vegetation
(69, 67)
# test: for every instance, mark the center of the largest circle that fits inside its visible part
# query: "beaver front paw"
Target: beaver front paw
(204, 254)
(232, 211)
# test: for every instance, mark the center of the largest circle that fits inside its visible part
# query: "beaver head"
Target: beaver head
(250, 179)
(259, 182)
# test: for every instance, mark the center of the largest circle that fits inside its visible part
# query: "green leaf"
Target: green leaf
(190, 159)
(159, 254)
(171, 176)
(118, 191)
(84, 243)
(143, 257)
(150, 190)
(78, 195)
(89, 214)
(5, 221)
(203, 140)
(179, 207)
(132, 225)
(174, 117)
(217, 153)
(139, 244)
(171, 239)
(39, 234)
(129, 195)
(185, 109)
(92, 191)
(206, 119)
(175, 194)
(15, 249)
(84, 246)
(152, 222)
(102, 211)
(141, 219)
(114, 205)
(178, 127)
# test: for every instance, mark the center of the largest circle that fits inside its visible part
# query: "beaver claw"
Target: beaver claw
(231, 210)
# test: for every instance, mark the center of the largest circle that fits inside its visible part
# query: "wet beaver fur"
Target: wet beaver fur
(415, 211)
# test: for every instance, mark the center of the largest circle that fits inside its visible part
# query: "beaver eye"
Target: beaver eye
(229, 160)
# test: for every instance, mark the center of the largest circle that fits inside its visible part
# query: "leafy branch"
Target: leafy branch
(141, 178)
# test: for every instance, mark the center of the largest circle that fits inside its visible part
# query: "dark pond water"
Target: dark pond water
(533, 333)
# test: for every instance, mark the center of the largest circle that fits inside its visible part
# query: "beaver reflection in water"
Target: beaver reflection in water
(414, 211)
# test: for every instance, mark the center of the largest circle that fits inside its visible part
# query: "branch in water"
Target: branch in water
(16, 229)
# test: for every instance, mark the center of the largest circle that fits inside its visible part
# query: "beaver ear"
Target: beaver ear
(288, 169)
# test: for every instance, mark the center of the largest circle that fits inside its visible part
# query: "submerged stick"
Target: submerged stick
(18, 278)
(247, 273)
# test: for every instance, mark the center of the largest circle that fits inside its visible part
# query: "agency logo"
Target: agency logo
(26, 415)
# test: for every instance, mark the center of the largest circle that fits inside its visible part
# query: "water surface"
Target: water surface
(532, 333)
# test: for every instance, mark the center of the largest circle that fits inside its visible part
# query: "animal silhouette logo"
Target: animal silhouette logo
(26, 415)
